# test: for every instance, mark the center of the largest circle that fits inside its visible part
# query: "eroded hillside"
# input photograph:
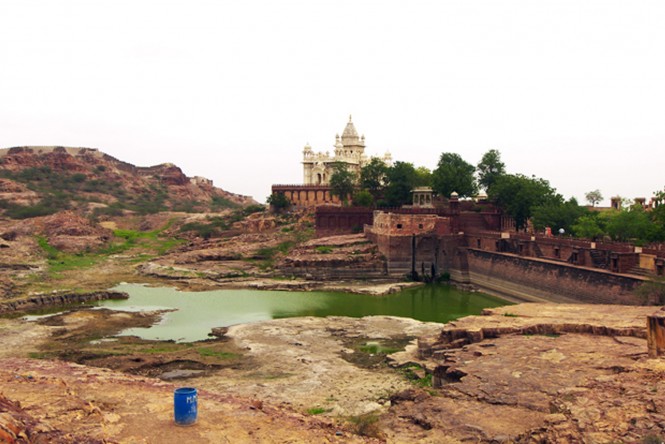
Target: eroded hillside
(36, 181)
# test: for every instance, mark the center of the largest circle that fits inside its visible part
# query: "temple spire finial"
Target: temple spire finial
(349, 118)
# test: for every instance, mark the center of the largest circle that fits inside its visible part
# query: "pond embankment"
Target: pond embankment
(41, 301)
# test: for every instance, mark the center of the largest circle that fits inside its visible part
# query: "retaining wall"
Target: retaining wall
(537, 279)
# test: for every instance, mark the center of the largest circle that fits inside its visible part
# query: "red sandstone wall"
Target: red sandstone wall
(342, 220)
(533, 278)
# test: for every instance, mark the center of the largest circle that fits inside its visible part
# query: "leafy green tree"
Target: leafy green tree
(490, 168)
(454, 174)
(517, 195)
(423, 177)
(401, 179)
(373, 176)
(632, 224)
(342, 182)
(278, 201)
(363, 198)
(557, 214)
(589, 226)
(658, 215)
(593, 197)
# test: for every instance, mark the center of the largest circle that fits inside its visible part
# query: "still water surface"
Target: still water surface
(198, 312)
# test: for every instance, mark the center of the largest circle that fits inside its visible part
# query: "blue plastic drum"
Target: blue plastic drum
(185, 406)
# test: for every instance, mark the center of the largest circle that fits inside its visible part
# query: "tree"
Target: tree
(593, 197)
(632, 224)
(401, 178)
(342, 182)
(517, 195)
(557, 214)
(278, 201)
(658, 215)
(454, 174)
(423, 177)
(490, 168)
(589, 226)
(363, 198)
(373, 176)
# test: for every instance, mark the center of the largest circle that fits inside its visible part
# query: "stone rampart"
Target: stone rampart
(331, 220)
(540, 279)
(307, 196)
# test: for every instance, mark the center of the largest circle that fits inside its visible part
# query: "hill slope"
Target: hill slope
(36, 181)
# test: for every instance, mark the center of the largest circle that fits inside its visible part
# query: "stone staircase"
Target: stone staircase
(599, 258)
(637, 270)
(537, 251)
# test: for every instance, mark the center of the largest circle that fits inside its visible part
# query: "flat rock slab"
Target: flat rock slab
(300, 362)
(539, 373)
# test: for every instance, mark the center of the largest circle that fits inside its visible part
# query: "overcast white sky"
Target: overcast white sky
(571, 91)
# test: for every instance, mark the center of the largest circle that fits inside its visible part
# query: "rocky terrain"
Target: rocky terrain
(537, 373)
(540, 373)
(35, 181)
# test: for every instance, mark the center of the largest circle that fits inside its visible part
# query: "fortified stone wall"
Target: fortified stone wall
(425, 254)
(342, 220)
(393, 224)
(530, 278)
(307, 196)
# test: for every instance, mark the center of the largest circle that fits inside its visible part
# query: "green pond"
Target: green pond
(196, 313)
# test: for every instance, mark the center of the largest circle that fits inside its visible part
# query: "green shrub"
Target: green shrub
(78, 177)
(221, 203)
(278, 202)
(367, 425)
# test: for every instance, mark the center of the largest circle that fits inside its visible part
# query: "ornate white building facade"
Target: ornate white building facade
(349, 151)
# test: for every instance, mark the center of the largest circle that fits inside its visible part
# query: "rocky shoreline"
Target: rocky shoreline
(37, 302)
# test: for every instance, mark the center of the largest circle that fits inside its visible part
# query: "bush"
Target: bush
(367, 425)
(222, 203)
(78, 178)
(278, 202)
(363, 198)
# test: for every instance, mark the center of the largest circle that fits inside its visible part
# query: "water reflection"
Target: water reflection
(198, 312)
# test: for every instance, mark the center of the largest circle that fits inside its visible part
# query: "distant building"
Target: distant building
(349, 151)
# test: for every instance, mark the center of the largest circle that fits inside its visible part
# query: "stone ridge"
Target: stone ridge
(538, 319)
(100, 179)
(63, 298)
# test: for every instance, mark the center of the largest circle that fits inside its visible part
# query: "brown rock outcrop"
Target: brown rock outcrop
(72, 233)
(346, 256)
(58, 299)
(536, 373)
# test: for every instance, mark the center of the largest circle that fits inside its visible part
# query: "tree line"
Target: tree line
(527, 199)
